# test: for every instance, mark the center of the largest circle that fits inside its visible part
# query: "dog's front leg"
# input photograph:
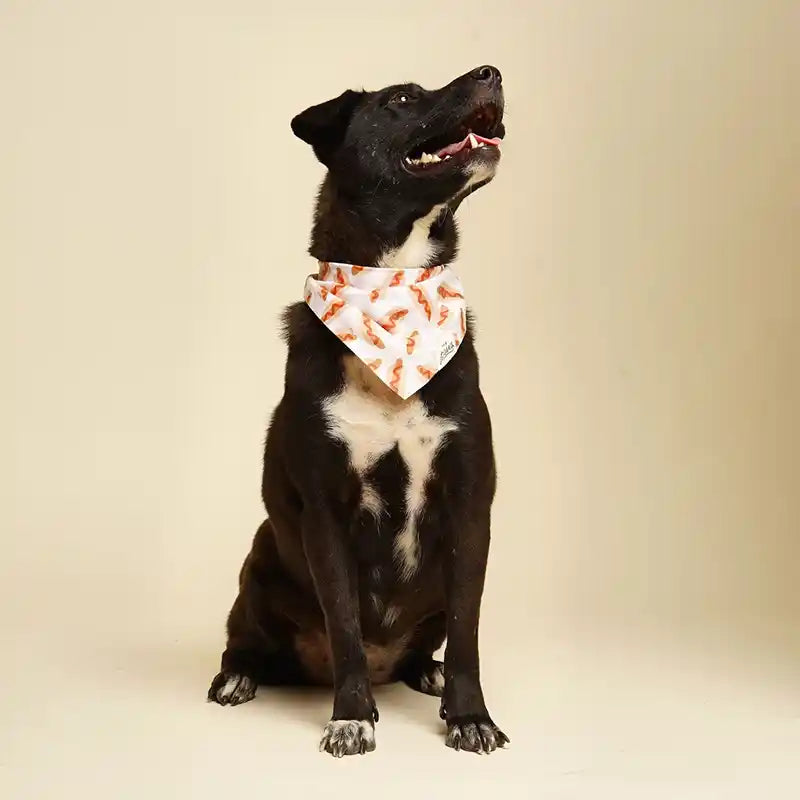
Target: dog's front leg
(469, 726)
(352, 726)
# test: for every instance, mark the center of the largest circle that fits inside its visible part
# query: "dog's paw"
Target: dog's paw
(229, 689)
(428, 679)
(348, 737)
(432, 679)
(475, 736)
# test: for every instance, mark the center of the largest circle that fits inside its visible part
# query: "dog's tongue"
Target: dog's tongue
(470, 140)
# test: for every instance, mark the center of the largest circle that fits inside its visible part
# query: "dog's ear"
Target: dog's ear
(323, 126)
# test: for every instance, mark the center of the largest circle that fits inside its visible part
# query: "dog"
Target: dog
(377, 537)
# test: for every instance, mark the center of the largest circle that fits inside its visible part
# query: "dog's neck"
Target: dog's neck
(377, 232)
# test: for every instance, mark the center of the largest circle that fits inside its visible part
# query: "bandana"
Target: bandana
(405, 324)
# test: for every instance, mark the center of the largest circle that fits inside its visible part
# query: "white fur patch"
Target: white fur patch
(391, 615)
(418, 450)
(229, 688)
(348, 737)
(371, 423)
(371, 500)
(417, 250)
(479, 172)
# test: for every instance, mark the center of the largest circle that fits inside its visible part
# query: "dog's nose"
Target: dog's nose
(487, 74)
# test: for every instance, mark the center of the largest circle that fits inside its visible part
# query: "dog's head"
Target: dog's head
(420, 147)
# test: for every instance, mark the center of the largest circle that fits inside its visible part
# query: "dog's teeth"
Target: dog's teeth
(447, 158)
(481, 144)
(409, 160)
(426, 158)
(473, 142)
(435, 158)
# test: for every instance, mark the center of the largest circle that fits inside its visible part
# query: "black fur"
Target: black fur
(320, 560)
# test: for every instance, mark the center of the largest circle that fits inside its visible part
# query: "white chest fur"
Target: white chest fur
(371, 420)
(418, 249)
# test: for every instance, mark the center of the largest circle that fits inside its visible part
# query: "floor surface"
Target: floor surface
(591, 715)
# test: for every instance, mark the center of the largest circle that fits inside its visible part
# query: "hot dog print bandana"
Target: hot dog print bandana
(405, 325)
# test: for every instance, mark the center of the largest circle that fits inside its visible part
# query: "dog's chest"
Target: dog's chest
(372, 421)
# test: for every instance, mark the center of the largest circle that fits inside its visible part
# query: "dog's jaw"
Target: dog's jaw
(479, 175)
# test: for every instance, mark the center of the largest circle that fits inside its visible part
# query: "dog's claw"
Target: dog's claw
(476, 737)
(454, 738)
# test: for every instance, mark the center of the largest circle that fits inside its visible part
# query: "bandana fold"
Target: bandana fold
(405, 324)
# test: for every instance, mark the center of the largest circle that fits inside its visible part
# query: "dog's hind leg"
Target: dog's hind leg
(258, 650)
(251, 660)
(245, 662)
(237, 679)
(419, 669)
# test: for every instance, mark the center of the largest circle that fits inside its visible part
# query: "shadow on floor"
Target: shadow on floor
(183, 670)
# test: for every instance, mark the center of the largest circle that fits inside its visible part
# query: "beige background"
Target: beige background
(635, 271)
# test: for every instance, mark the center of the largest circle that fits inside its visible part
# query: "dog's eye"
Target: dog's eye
(401, 97)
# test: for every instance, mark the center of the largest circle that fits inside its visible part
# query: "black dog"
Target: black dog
(325, 595)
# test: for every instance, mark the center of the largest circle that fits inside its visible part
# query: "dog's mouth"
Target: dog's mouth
(472, 137)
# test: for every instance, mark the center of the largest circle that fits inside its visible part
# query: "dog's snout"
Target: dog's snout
(487, 74)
